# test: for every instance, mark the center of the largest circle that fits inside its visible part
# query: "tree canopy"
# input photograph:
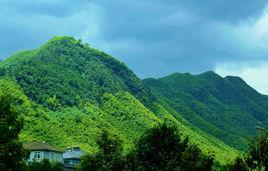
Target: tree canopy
(11, 151)
(161, 148)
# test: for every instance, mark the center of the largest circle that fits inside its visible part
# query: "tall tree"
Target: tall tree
(162, 148)
(109, 155)
(11, 151)
(258, 153)
(238, 164)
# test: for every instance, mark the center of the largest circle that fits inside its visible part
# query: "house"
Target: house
(42, 150)
(71, 157)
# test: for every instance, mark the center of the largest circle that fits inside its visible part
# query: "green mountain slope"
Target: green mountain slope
(120, 113)
(68, 91)
(226, 108)
(70, 70)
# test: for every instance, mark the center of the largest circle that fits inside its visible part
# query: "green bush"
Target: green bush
(44, 165)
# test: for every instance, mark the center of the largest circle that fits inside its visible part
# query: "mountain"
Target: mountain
(226, 108)
(69, 70)
(68, 92)
(70, 86)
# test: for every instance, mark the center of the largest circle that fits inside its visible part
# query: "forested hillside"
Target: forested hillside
(226, 108)
(69, 71)
(68, 92)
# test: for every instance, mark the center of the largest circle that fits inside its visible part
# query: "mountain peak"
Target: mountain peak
(221, 106)
(209, 74)
(178, 74)
(65, 68)
(63, 40)
(234, 78)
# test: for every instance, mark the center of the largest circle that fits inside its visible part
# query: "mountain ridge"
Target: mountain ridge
(69, 91)
(222, 103)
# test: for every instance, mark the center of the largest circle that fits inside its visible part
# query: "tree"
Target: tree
(109, 155)
(194, 159)
(163, 149)
(257, 157)
(238, 164)
(258, 153)
(11, 151)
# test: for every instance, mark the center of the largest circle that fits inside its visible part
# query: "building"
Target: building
(42, 150)
(71, 157)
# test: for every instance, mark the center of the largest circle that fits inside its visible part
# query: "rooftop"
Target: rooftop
(40, 146)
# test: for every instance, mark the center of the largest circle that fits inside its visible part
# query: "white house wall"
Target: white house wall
(51, 156)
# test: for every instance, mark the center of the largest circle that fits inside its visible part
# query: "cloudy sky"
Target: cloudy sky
(154, 38)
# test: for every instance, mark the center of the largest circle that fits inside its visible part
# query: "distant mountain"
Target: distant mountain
(226, 108)
(68, 91)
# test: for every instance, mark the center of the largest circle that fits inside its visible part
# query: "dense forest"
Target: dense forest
(67, 93)
(159, 148)
(226, 108)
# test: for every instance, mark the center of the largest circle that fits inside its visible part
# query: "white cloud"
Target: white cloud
(254, 73)
(249, 38)
(254, 33)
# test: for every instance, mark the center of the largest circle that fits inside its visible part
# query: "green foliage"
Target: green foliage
(257, 157)
(226, 108)
(160, 148)
(163, 149)
(194, 159)
(121, 113)
(65, 68)
(238, 164)
(109, 155)
(258, 153)
(44, 165)
(11, 151)
(68, 92)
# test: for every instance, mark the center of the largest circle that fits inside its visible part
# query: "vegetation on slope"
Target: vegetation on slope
(68, 92)
(11, 152)
(161, 148)
(121, 112)
(65, 71)
(226, 108)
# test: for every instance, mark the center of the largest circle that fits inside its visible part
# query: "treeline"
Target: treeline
(163, 148)
(160, 148)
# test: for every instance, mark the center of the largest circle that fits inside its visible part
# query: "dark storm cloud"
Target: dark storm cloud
(153, 37)
(174, 36)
